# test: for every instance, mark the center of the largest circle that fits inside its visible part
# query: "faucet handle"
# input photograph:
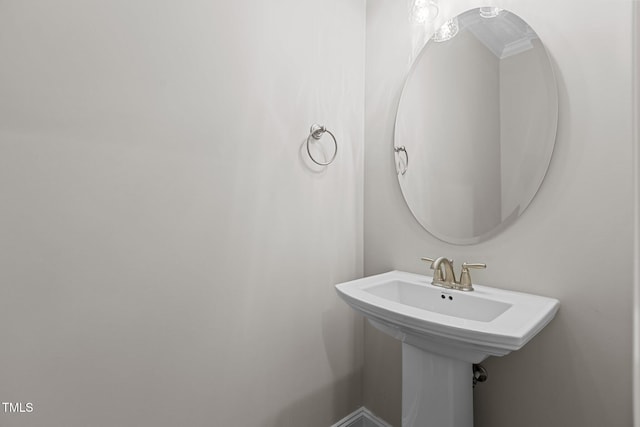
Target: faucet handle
(473, 265)
(465, 277)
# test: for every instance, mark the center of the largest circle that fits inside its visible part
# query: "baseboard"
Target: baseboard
(361, 418)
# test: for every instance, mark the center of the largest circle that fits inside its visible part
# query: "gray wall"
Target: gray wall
(167, 254)
(573, 243)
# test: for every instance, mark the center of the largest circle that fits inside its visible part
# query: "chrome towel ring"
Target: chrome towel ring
(316, 133)
(401, 168)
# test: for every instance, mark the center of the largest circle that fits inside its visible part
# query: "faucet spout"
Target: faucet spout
(443, 272)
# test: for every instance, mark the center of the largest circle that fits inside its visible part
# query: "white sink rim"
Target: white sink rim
(509, 331)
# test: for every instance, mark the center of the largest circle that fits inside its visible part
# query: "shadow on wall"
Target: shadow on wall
(313, 410)
(319, 151)
(496, 403)
(382, 385)
(333, 320)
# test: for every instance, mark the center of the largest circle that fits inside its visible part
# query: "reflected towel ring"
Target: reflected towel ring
(406, 163)
(316, 133)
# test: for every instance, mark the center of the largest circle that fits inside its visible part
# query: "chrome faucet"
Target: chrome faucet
(444, 276)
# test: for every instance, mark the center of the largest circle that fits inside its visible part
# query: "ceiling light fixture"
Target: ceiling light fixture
(490, 12)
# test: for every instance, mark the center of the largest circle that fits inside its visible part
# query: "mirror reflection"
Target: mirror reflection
(476, 125)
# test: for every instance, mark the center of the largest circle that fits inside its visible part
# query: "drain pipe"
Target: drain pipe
(480, 374)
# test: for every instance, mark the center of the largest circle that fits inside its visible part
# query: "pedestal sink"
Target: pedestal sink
(444, 332)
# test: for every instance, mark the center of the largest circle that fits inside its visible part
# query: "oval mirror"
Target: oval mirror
(476, 125)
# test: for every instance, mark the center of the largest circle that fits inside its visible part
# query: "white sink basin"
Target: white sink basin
(468, 326)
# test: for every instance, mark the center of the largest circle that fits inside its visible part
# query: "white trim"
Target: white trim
(635, 84)
(350, 420)
(361, 417)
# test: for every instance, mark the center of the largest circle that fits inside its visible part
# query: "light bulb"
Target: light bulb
(447, 31)
(424, 11)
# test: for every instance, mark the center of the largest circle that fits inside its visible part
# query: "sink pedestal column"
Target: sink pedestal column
(436, 390)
